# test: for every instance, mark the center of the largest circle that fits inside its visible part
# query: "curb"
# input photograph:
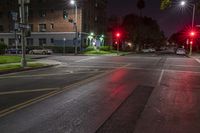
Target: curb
(24, 69)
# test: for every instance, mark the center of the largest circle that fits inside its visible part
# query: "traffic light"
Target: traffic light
(192, 33)
(65, 14)
(118, 35)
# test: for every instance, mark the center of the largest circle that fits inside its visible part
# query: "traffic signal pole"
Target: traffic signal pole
(193, 17)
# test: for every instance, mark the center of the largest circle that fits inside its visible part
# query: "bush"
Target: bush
(55, 49)
(90, 48)
(2, 48)
(105, 48)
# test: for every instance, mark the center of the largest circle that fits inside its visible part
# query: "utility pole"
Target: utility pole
(23, 11)
(74, 2)
(76, 28)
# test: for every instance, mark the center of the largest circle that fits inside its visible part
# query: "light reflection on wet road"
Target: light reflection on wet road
(173, 105)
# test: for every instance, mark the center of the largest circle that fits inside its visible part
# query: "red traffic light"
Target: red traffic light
(117, 34)
(191, 42)
(192, 33)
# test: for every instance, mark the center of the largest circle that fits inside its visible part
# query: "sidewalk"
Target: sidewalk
(196, 55)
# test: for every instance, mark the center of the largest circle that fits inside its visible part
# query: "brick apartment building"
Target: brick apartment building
(48, 26)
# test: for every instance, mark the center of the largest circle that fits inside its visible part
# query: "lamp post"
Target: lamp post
(183, 3)
(73, 2)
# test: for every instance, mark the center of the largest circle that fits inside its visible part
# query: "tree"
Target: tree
(2, 48)
(144, 32)
(165, 4)
(140, 6)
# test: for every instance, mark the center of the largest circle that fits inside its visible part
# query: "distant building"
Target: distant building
(48, 25)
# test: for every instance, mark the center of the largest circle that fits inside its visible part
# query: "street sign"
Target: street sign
(24, 26)
(16, 26)
(14, 16)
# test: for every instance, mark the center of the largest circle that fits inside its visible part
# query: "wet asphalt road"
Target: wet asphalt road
(84, 94)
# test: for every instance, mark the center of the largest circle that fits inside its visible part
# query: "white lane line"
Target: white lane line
(184, 66)
(179, 71)
(161, 76)
(85, 59)
(27, 91)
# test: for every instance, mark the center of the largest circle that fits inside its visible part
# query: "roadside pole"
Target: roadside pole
(14, 18)
(76, 28)
(23, 7)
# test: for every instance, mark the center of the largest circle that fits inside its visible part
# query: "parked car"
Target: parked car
(149, 50)
(180, 51)
(15, 51)
(41, 51)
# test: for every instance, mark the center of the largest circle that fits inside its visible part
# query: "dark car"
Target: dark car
(15, 51)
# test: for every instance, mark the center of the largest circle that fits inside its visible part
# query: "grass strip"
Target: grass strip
(10, 67)
(11, 59)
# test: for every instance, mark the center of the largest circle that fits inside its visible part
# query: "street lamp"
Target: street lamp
(73, 2)
(183, 3)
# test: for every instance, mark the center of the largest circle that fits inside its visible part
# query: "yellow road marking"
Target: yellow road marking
(53, 93)
(27, 91)
(46, 75)
(45, 96)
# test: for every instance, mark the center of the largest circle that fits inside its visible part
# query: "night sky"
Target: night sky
(170, 20)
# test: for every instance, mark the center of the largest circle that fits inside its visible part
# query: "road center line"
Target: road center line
(46, 75)
(27, 91)
(161, 76)
(50, 94)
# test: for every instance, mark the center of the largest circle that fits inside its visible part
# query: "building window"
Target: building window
(1, 28)
(52, 10)
(29, 41)
(11, 41)
(52, 40)
(42, 41)
(1, 14)
(1, 40)
(31, 27)
(30, 13)
(96, 4)
(52, 26)
(96, 18)
(42, 13)
(42, 27)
